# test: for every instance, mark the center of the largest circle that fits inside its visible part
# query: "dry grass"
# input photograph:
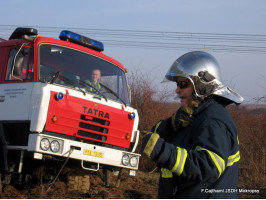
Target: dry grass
(251, 125)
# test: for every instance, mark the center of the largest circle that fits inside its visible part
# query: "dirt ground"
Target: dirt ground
(143, 185)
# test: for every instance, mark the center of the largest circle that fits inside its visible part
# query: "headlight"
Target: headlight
(125, 160)
(45, 144)
(55, 146)
(133, 161)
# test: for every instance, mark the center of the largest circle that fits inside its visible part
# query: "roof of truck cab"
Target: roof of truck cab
(41, 39)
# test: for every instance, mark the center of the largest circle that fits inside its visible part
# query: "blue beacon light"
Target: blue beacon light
(68, 35)
(132, 115)
(82, 40)
(59, 96)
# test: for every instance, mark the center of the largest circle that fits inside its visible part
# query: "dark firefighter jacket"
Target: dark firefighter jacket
(201, 160)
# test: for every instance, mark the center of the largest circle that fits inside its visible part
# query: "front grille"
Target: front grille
(95, 120)
(92, 135)
(93, 127)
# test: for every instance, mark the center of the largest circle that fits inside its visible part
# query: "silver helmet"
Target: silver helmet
(203, 70)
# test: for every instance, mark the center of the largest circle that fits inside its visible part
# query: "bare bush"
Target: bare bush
(152, 105)
(251, 126)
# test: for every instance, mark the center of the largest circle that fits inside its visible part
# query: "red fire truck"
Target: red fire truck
(50, 109)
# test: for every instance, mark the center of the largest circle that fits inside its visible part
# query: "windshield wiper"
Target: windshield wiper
(55, 76)
(111, 91)
(90, 85)
(63, 78)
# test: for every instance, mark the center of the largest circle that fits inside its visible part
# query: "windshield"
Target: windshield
(82, 71)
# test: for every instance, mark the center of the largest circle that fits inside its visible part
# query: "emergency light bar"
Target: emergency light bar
(82, 40)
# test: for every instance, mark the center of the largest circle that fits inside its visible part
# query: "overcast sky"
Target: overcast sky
(245, 72)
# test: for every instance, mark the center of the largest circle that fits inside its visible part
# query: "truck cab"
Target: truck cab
(50, 107)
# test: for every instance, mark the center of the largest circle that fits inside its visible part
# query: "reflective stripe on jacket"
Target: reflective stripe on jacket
(91, 88)
(217, 160)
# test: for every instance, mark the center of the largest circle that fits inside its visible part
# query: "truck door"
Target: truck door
(16, 87)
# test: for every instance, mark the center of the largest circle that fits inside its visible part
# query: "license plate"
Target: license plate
(93, 153)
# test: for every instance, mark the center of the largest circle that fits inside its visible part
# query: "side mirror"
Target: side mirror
(18, 64)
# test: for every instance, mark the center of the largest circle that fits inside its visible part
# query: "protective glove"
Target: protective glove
(183, 117)
(152, 145)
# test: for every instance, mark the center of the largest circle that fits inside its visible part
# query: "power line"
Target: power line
(174, 46)
(141, 32)
(240, 43)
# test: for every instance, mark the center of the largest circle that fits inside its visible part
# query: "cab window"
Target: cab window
(82, 71)
(20, 64)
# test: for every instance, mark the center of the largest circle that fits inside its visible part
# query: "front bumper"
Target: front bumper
(83, 151)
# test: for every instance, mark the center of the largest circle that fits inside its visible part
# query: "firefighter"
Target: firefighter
(197, 149)
(94, 80)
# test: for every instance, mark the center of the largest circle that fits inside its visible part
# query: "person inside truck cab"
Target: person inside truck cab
(94, 80)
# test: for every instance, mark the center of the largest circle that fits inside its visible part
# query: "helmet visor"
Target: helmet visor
(174, 72)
